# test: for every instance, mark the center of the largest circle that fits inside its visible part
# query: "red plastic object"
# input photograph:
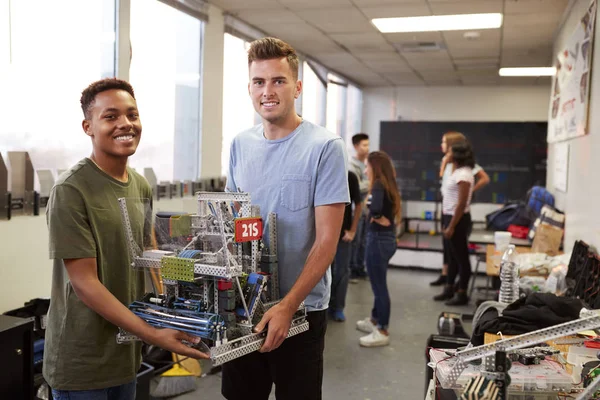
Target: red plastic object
(248, 229)
(519, 232)
(224, 285)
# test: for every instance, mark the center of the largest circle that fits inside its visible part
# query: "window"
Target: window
(49, 52)
(336, 105)
(166, 76)
(238, 111)
(353, 114)
(313, 96)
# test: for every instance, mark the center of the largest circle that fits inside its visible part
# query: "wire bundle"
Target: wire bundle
(189, 254)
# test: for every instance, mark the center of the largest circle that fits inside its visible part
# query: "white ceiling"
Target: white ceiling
(339, 34)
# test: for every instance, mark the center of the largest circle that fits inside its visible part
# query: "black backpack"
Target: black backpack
(510, 214)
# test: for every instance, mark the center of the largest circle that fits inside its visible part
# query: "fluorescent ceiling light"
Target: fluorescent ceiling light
(528, 71)
(461, 22)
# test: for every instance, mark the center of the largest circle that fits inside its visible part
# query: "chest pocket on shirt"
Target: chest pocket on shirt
(295, 190)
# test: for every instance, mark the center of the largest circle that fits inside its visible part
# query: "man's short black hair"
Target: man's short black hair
(463, 155)
(359, 137)
(89, 94)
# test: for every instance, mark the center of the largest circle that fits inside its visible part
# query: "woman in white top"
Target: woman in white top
(446, 169)
(456, 222)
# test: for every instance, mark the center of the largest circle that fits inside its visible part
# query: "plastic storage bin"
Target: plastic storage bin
(144, 376)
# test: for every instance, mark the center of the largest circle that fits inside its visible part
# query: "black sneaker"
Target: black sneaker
(459, 299)
(445, 295)
(441, 280)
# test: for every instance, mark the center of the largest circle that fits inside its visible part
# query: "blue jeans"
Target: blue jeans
(357, 261)
(339, 276)
(122, 392)
(381, 246)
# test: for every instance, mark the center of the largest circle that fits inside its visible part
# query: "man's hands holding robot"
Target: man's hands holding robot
(170, 339)
(279, 319)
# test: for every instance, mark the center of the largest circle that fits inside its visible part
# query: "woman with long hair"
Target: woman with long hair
(456, 220)
(384, 213)
(446, 169)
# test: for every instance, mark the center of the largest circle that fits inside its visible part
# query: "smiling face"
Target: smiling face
(273, 89)
(113, 123)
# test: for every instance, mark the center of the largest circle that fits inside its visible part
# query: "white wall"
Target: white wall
(580, 202)
(494, 103)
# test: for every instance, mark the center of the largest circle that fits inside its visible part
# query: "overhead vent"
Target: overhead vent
(420, 47)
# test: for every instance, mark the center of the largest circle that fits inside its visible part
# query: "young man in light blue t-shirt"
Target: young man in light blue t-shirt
(297, 170)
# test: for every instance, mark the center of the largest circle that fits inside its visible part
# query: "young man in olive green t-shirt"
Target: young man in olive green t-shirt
(93, 281)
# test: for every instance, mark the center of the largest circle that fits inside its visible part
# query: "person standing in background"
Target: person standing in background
(385, 209)
(446, 169)
(341, 265)
(456, 222)
(357, 164)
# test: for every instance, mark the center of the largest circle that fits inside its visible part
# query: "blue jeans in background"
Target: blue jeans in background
(122, 392)
(357, 261)
(340, 271)
(381, 246)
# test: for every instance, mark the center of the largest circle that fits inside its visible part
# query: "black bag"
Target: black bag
(510, 214)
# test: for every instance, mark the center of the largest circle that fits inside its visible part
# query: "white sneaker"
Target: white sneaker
(365, 325)
(374, 339)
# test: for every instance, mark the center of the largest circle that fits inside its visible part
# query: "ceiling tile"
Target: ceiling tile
(443, 82)
(487, 73)
(534, 6)
(517, 81)
(531, 22)
(438, 75)
(544, 80)
(429, 61)
(466, 7)
(302, 37)
(540, 57)
(229, 5)
(362, 41)
(307, 4)
(260, 17)
(480, 80)
(333, 60)
(396, 11)
(487, 45)
(477, 62)
(388, 66)
(368, 3)
(526, 43)
(485, 36)
(487, 52)
(414, 37)
(377, 56)
(345, 20)
(404, 78)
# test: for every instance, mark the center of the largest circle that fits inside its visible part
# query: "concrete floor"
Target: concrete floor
(393, 372)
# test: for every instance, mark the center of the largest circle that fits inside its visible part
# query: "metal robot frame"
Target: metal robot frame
(219, 281)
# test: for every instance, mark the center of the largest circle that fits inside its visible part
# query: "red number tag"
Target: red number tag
(247, 229)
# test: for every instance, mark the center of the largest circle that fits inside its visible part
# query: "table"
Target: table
(487, 237)
(492, 260)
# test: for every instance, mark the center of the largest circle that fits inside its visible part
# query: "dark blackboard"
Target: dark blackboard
(512, 153)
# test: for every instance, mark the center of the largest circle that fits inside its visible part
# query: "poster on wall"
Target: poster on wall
(570, 88)
(561, 166)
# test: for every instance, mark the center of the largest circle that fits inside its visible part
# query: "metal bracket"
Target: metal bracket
(591, 321)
